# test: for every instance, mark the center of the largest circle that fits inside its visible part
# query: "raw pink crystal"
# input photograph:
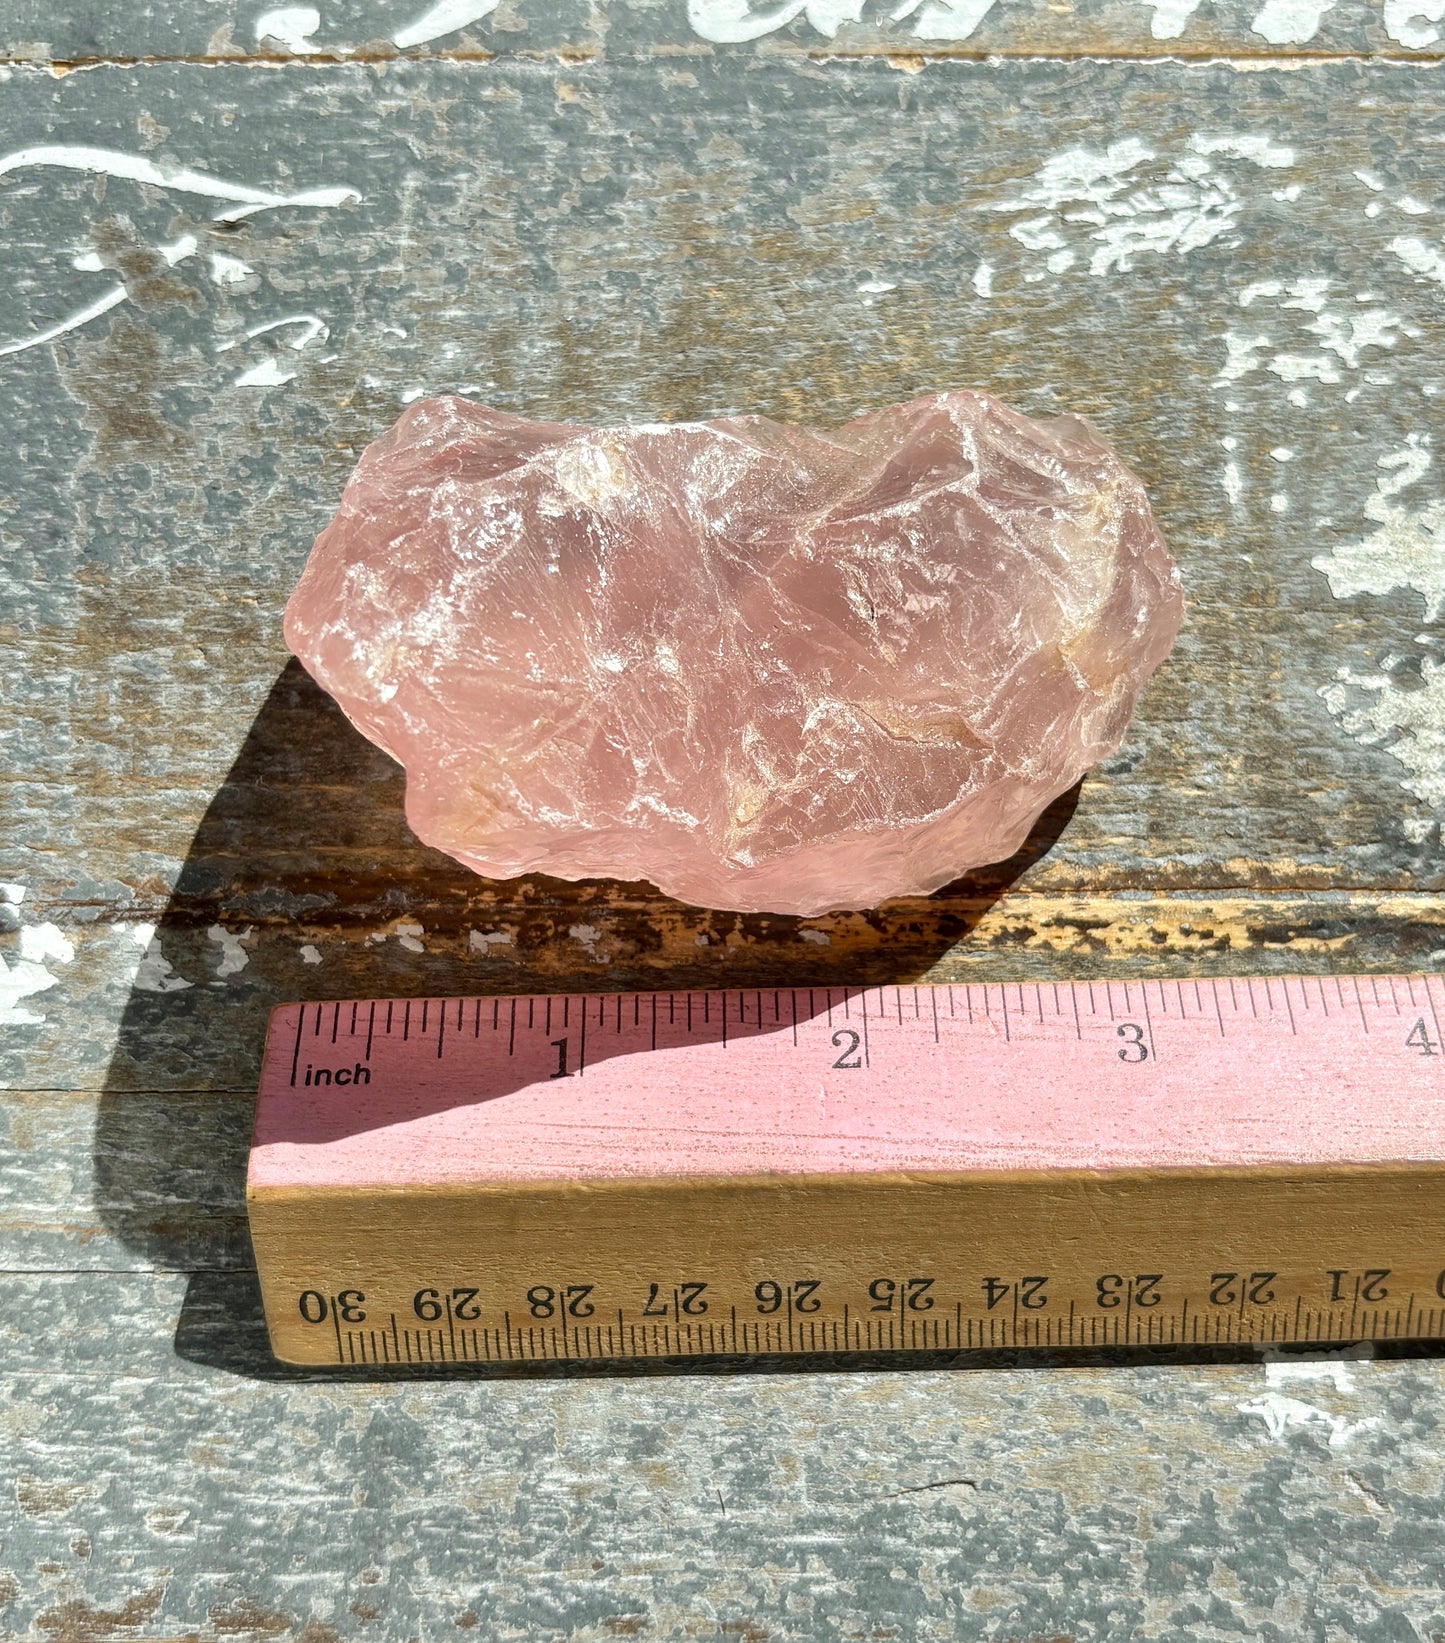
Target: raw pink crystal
(761, 666)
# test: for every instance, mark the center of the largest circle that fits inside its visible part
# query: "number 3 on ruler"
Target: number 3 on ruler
(1135, 1048)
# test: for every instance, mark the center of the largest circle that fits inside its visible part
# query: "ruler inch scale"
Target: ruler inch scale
(809, 1171)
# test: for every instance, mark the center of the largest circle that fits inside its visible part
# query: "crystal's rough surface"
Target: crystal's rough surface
(761, 666)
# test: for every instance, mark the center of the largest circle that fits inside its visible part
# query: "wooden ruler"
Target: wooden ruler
(650, 1175)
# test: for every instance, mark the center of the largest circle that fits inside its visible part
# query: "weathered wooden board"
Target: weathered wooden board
(173, 1500)
(1241, 277)
(333, 30)
(1257, 325)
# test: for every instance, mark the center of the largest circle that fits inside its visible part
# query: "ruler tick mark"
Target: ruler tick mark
(1149, 1020)
(296, 1053)
(1360, 1004)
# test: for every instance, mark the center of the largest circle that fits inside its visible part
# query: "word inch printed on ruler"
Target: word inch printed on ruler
(652, 1175)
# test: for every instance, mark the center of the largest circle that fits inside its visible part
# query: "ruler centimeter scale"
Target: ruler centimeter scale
(885, 1169)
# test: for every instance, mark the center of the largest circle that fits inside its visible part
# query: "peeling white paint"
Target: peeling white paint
(409, 396)
(1261, 150)
(1410, 724)
(82, 316)
(1407, 22)
(819, 938)
(309, 955)
(1393, 707)
(1334, 1367)
(409, 934)
(982, 281)
(483, 941)
(876, 287)
(1291, 22)
(1241, 356)
(1282, 1415)
(1420, 258)
(733, 21)
(234, 957)
(1115, 204)
(270, 373)
(22, 979)
(444, 18)
(12, 893)
(1345, 335)
(290, 26)
(1170, 17)
(1232, 482)
(229, 270)
(588, 935)
(89, 262)
(45, 944)
(948, 19)
(1408, 549)
(242, 200)
(27, 975)
(1300, 367)
(311, 327)
(153, 972)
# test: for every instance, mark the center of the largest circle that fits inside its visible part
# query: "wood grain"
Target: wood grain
(88, 31)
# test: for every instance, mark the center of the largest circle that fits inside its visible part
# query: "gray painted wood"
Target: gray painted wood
(157, 1496)
(223, 30)
(1245, 290)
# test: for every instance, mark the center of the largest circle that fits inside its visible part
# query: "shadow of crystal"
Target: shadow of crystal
(304, 851)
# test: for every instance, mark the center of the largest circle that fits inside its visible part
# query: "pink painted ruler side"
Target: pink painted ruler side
(1097, 1075)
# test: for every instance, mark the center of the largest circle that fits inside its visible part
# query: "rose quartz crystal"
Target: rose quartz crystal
(762, 666)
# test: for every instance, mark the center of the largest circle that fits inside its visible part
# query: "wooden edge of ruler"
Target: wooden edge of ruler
(649, 1186)
(784, 1264)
